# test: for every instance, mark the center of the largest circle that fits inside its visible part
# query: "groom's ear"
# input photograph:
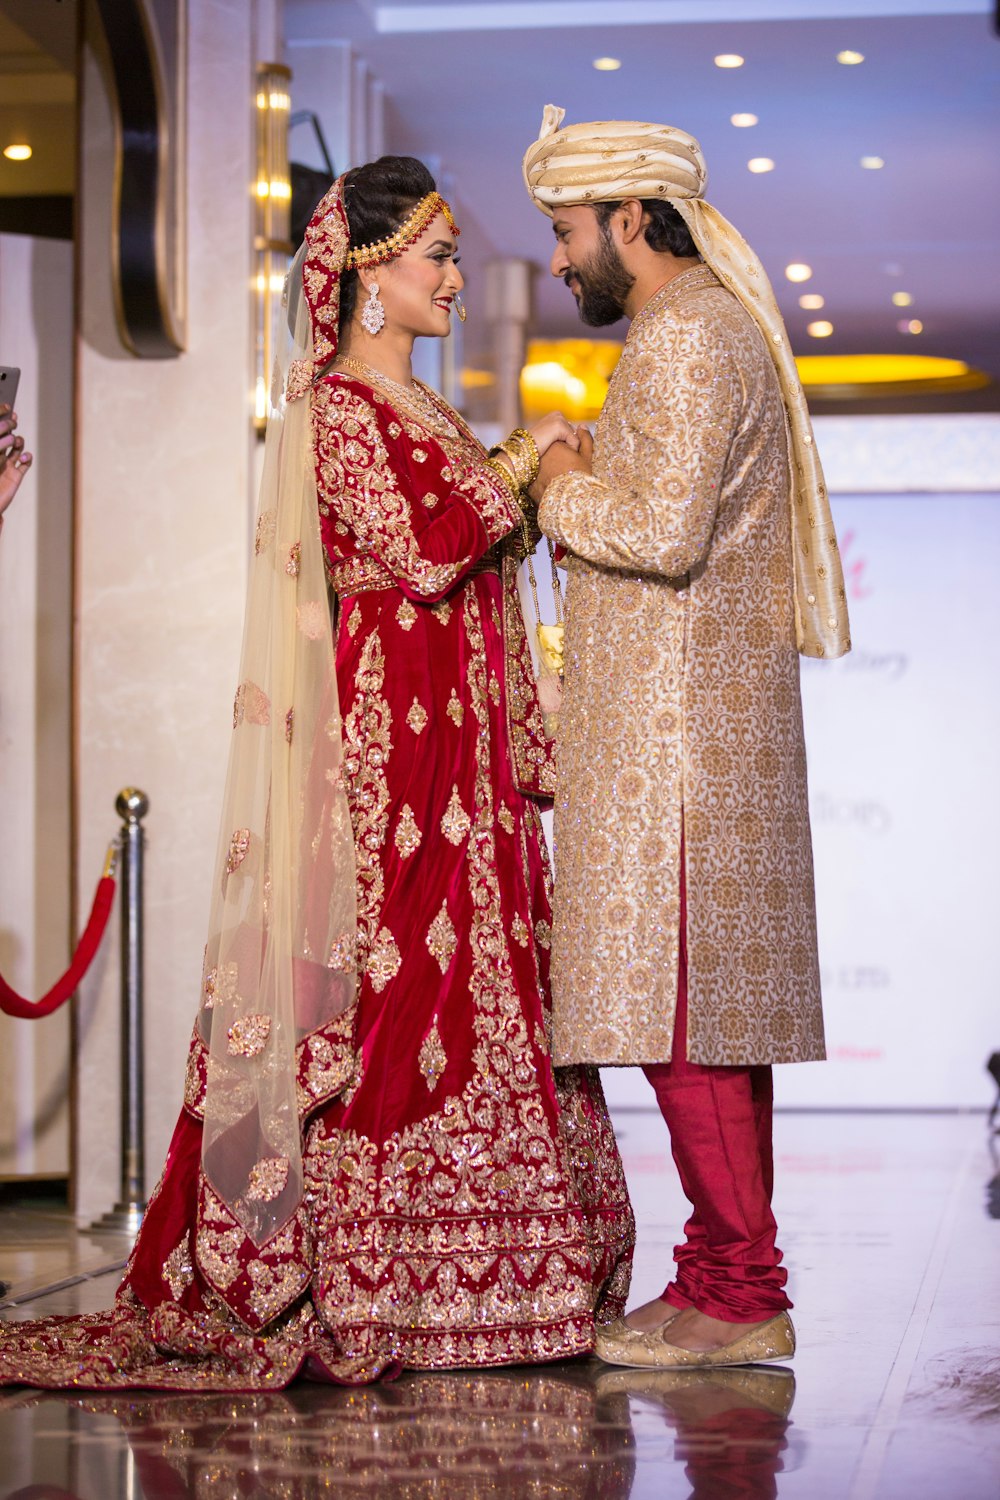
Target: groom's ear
(630, 219)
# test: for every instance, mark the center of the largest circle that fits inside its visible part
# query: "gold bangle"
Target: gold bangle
(512, 468)
(507, 478)
(521, 450)
(524, 437)
(518, 461)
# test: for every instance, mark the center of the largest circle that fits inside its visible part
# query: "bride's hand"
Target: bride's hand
(554, 429)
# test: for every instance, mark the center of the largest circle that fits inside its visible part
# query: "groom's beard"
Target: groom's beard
(603, 284)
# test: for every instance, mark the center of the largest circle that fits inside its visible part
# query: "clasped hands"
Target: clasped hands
(562, 448)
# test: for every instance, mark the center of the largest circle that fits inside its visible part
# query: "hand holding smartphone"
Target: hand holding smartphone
(9, 377)
(14, 462)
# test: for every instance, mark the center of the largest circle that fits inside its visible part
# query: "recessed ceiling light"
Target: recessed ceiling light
(910, 325)
(812, 301)
(741, 121)
(873, 163)
(902, 299)
(728, 60)
(760, 164)
(607, 64)
(17, 152)
(820, 330)
(798, 271)
(849, 58)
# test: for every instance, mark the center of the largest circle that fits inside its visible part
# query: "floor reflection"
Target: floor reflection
(564, 1431)
(730, 1426)
(993, 1186)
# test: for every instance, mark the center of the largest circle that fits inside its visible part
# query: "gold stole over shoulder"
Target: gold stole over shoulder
(821, 622)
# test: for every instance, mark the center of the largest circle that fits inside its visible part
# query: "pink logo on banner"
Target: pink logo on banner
(854, 568)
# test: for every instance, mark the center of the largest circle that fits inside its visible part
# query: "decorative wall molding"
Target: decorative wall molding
(145, 42)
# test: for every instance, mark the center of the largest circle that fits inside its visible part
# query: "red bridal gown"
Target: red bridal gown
(464, 1204)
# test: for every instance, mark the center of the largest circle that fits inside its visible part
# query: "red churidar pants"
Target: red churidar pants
(720, 1135)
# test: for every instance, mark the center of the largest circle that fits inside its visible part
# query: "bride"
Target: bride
(376, 1166)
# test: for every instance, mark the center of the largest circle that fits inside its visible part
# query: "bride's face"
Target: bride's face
(418, 288)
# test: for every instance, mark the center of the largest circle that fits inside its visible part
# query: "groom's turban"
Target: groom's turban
(610, 160)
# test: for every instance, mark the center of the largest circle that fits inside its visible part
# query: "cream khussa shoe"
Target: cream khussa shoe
(621, 1329)
(773, 1340)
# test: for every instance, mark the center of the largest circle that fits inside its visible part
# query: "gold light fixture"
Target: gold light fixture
(568, 375)
(728, 60)
(607, 64)
(17, 151)
(798, 271)
(743, 121)
(853, 377)
(850, 59)
(812, 301)
(821, 329)
(902, 299)
(760, 164)
(272, 212)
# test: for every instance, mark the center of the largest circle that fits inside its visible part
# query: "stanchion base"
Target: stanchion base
(124, 1218)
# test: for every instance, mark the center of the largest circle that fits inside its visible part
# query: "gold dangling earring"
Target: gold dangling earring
(460, 308)
(373, 312)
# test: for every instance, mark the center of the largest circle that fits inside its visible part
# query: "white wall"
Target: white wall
(163, 524)
(36, 334)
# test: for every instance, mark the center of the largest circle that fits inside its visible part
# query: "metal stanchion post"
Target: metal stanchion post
(132, 806)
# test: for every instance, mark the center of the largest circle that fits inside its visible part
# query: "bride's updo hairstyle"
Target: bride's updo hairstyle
(378, 198)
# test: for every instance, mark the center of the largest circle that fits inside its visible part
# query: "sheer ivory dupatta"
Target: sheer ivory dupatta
(279, 963)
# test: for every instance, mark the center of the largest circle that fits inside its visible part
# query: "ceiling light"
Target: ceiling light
(741, 121)
(728, 60)
(17, 152)
(760, 164)
(902, 299)
(850, 58)
(607, 64)
(812, 301)
(820, 330)
(798, 271)
(910, 325)
(850, 377)
(873, 163)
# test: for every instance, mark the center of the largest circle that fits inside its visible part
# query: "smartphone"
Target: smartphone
(9, 376)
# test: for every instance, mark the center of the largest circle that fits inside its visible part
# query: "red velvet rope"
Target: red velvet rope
(13, 1004)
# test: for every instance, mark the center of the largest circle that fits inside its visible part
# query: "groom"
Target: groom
(701, 559)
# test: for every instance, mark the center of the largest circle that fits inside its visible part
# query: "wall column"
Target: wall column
(508, 311)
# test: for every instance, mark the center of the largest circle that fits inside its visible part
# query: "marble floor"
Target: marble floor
(891, 1227)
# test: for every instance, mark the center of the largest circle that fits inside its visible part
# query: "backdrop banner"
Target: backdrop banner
(904, 777)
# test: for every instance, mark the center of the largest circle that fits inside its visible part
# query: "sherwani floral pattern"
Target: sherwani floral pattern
(464, 1204)
(681, 724)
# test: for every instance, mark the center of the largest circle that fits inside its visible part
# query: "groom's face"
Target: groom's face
(588, 259)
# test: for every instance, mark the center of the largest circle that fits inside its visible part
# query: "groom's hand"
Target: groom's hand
(560, 458)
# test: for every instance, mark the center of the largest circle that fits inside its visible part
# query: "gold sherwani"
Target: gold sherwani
(682, 707)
